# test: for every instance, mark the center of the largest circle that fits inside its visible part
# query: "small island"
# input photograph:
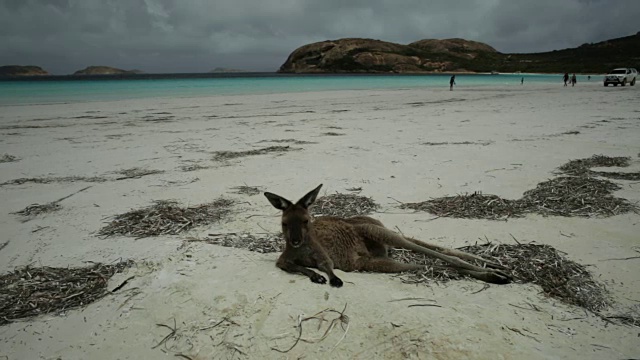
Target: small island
(226, 70)
(104, 70)
(18, 70)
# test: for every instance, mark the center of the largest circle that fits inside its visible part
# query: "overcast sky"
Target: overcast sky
(63, 36)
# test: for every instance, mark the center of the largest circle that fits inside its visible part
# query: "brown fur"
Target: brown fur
(358, 243)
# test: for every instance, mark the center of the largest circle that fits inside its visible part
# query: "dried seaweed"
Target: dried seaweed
(266, 243)
(292, 141)
(542, 265)
(629, 316)
(331, 133)
(30, 291)
(37, 209)
(343, 205)
(247, 190)
(576, 196)
(165, 217)
(8, 158)
(228, 155)
(617, 175)
(581, 167)
(49, 180)
(136, 173)
(192, 167)
(15, 127)
(473, 206)
(482, 143)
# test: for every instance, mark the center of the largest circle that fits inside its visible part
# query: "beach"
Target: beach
(394, 146)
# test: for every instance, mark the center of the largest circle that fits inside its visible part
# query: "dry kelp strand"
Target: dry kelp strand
(192, 167)
(617, 175)
(246, 190)
(135, 173)
(49, 180)
(37, 209)
(228, 155)
(8, 158)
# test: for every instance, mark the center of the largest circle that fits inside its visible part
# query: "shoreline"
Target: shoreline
(145, 76)
(170, 94)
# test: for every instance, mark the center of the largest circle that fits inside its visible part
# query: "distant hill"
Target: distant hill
(226, 70)
(17, 70)
(457, 55)
(104, 70)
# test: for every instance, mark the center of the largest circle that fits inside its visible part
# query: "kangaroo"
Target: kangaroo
(358, 243)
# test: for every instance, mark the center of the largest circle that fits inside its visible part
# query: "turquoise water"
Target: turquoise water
(153, 86)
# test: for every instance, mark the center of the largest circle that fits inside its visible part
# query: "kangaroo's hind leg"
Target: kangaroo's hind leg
(457, 253)
(389, 238)
(376, 249)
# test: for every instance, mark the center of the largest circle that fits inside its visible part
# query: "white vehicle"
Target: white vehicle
(622, 76)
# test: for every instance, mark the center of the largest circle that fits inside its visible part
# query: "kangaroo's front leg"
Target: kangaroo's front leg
(292, 267)
(326, 266)
(324, 263)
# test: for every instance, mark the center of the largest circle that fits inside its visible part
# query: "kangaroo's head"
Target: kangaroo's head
(296, 221)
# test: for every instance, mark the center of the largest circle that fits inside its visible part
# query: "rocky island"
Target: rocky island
(104, 70)
(18, 70)
(358, 55)
(226, 70)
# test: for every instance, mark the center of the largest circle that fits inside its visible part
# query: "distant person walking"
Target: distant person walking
(452, 82)
(589, 77)
(522, 81)
(565, 78)
(573, 80)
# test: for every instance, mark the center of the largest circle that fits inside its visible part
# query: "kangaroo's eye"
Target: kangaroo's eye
(305, 221)
(284, 224)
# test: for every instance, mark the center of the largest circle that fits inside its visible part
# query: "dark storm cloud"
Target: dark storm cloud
(198, 35)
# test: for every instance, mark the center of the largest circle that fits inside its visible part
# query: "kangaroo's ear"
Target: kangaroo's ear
(308, 199)
(278, 201)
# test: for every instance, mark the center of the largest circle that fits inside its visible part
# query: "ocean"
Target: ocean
(71, 89)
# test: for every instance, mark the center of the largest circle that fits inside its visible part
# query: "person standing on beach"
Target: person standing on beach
(452, 82)
(573, 80)
(522, 81)
(565, 78)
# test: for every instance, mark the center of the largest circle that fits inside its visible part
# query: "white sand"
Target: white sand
(381, 151)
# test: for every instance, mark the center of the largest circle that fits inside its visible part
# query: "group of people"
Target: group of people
(571, 79)
(567, 79)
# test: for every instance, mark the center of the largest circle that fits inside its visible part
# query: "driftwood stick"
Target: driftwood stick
(68, 196)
